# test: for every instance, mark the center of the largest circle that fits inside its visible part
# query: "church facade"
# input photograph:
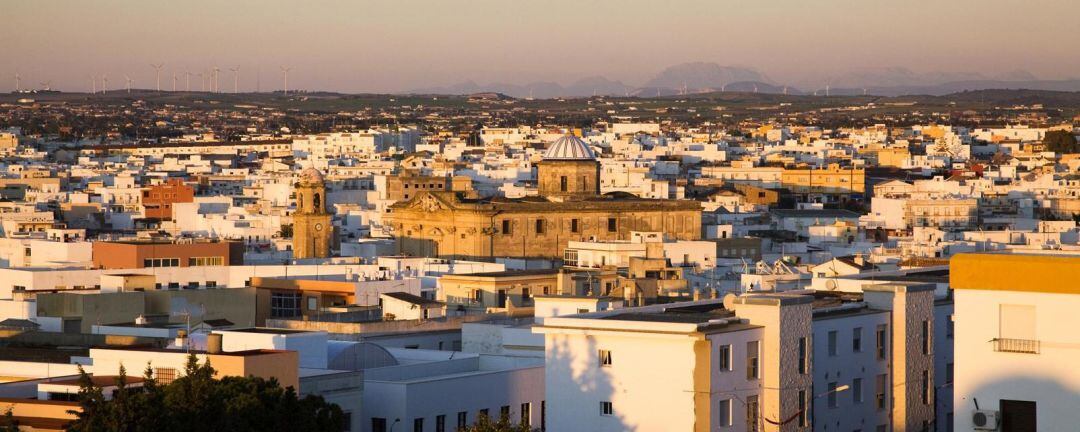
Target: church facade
(570, 208)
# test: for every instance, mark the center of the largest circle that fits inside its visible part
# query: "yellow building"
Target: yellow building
(570, 208)
(312, 230)
(833, 179)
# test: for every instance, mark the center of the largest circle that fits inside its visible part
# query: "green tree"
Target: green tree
(197, 401)
(1061, 142)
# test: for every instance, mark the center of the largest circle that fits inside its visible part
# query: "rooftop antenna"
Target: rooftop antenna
(128, 80)
(235, 79)
(285, 71)
(157, 74)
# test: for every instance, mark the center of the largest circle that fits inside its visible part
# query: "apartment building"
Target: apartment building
(1015, 353)
(790, 361)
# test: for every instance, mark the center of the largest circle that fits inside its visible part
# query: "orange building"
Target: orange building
(158, 200)
(156, 253)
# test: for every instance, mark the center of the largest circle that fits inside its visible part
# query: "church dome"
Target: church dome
(569, 147)
(311, 175)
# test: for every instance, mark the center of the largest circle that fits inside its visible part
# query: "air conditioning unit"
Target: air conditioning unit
(985, 420)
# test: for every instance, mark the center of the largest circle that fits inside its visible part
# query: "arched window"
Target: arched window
(299, 200)
(318, 202)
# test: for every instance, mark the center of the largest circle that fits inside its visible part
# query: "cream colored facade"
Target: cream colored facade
(1016, 340)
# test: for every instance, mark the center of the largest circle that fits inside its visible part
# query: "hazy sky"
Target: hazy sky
(398, 45)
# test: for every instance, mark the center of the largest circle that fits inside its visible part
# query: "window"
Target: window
(880, 384)
(482, 413)
(752, 360)
(573, 225)
(856, 339)
(925, 387)
(462, 419)
(312, 303)
(506, 228)
(164, 376)
(440, 423)
(605, 358)
(563, 186)
(526, 414)
(752, 413)
(612, 225)
(926, 337)
(606, 409)
(832, 395)
(211, 284)
(724, 358)
(881, 340)
(948, 373)
(543, 415)
(832, 343)
(802, 408)
(856, 390)
(284, 305)
(802, 356)
(504, 412)
(526, 294)
(723, 413)
(1017, 322)
(950, 327)
(418, 424)
(539, 226)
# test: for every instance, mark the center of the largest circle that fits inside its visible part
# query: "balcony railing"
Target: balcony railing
(1025, 346)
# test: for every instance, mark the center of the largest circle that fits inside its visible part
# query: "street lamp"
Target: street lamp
(396, 421)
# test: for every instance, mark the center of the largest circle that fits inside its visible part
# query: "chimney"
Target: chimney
(213, 343)
(697, 294)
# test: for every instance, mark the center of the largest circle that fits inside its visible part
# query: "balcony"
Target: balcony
(1023, 346)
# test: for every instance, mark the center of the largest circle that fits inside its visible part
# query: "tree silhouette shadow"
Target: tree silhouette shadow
(567, 370)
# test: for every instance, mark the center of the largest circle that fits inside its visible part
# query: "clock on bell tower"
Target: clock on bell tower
(312, 231)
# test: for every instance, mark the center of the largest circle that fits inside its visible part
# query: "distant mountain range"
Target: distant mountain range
(703, 77)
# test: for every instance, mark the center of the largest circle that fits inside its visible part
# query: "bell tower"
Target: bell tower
(312, 230)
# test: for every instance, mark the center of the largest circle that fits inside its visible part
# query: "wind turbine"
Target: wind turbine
(214, 87)
(202, 82)
(18, 78)
(187, 86)
(285, 71)
(93, 85)
(235, 78)
(174, 82)
(128, 80)
(157, 73)
(104, 84)
(46, 86)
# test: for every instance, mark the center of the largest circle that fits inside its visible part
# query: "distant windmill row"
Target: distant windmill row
(209, 77)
